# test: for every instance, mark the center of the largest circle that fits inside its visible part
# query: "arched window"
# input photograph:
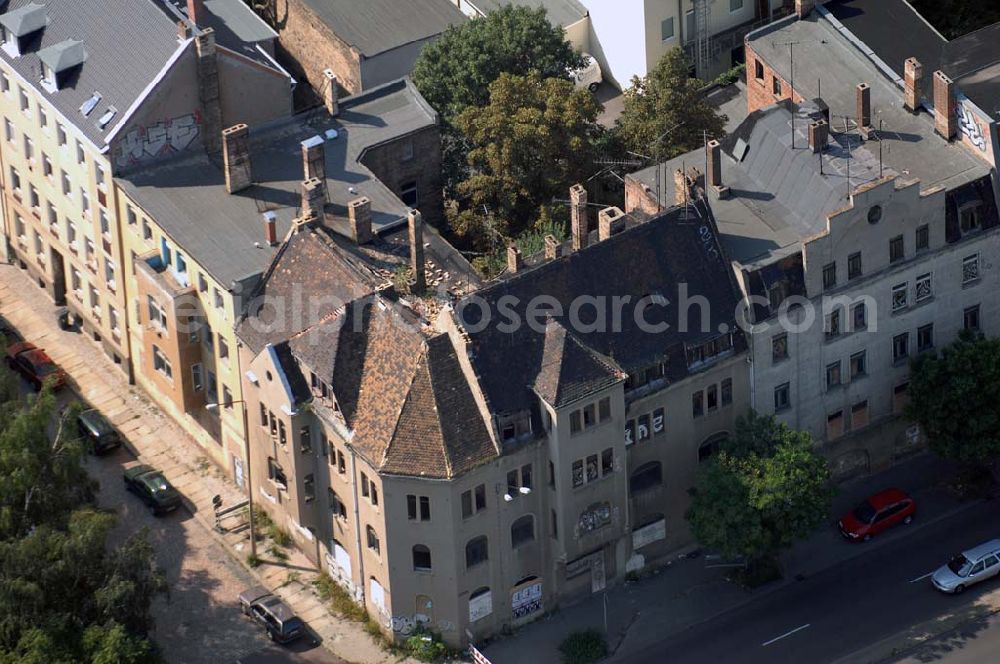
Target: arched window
(522, 531)
(645, 477)
(421, 558)
(712, 445)
(477, 551)
(480, 604)
(372, 537)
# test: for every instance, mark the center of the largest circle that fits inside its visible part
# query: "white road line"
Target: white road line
(921, 578)
(778, 638)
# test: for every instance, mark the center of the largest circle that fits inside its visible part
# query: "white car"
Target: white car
(977, 564)
(589, 76)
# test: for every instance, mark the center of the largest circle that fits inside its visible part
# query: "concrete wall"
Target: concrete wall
(251, 93)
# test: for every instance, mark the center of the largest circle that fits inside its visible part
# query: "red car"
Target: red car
(32, 363)
(879, 512)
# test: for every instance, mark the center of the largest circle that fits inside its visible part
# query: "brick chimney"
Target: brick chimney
(208, 89)
(183, 31)
(863, 106)
(196, 10)
(913, 72)
(944, 105)
(579, 225)
(553, 249)
(313, 198)
(610, 221)
(236, 158)
(330, 93)
(514, 261)
(682, 190)
(359, 211)
(417, 250)
(714, 150)
(270, 229)
(804, 7)
(313, 158)
(819, 132)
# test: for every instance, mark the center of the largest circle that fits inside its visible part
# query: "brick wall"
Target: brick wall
(639, 197)
(761, 78)
(307, 46)
(387, 161)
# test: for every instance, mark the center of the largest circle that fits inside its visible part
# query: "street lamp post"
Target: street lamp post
(249, 463)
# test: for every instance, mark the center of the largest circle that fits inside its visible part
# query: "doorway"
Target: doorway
(58, 277)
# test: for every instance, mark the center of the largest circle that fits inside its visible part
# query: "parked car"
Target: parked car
(977, 564)
(153, 488)
(876, 514)
(589, 75)
(281, 624)
(100, 436)
(32, 363)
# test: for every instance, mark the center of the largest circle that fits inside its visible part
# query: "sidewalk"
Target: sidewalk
(683, 592)
(157, 440)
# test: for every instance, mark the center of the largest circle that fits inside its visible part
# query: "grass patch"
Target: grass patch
(340, 601)
(253, 560)
(277, 553)
(584, 647)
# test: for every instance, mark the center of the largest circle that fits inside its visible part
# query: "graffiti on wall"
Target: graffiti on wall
(155, 140)
(969, 126)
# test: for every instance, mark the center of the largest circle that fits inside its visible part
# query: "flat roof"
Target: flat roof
(187, 196)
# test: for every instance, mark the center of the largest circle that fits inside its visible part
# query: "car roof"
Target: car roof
(977, 552)
(278, 609)
(887, 497)
(251, 595)
(136, 471)
(94, 418)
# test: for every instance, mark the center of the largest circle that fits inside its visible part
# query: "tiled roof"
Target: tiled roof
(569, 370)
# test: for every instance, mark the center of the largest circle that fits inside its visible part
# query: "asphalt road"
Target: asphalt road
(841, 610)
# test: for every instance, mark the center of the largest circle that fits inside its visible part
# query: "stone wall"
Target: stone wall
(412, 158)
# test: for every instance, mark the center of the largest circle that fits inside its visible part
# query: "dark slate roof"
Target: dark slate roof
(569, 370)
(236, 27)
(178, 191)
(680, 246)
(376, 26)
(296, 382)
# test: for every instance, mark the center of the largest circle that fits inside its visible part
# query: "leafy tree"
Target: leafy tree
(766, 489)
(954, 396)
(665, 114)
(529, 144)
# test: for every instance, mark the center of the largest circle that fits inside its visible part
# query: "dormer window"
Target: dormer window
(58, 60)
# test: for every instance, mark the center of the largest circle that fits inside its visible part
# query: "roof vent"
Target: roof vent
(109, 115)
(87, 107)
(60, 58)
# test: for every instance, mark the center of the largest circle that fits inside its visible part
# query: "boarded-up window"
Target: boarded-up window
(835, 425)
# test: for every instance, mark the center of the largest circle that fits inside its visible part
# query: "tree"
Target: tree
(766, 489)
(954, 397)
(665, 114)
(529, 144)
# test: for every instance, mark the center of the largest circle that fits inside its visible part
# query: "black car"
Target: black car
(97, 432)
(153, 488)
(281, 624)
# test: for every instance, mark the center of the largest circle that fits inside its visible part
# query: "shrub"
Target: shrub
(277, 553)
(253, 560)
(425, 646)
(341, 602)
(584, 647)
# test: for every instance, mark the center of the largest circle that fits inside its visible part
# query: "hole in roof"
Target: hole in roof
(108, 116)
(88, 106)
(740, 149)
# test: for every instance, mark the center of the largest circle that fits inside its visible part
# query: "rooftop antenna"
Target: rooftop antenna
(791, 71)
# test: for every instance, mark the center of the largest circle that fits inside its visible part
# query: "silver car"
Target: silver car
(969, 567)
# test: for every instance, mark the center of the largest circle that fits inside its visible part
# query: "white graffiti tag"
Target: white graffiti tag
(161, 138)
(970, 127)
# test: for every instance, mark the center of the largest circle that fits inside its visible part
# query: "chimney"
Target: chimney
(714, 150)
(610, 221)
(208, 89)
(803, 7)
(681, 190)
(359, 211)
(863, 110)
(913, 71)
(313, 158)
(819, 132)
(196, 10)
(183, 31)
(944, 105)
(578, 216)
(313, 198)
(270, 229)
(514, 261)
(236, 158)
(553, 249)
(417, 250)
(330, 93)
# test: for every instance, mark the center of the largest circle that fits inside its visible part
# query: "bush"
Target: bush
(253, 560)
(584, 647)
(341, 602)
(277, 553)
(425, 646)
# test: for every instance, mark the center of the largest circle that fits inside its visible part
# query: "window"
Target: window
(577, 473)
(276, 474)
(829, 275)
(833, 324)
(4, 80)
(971, 318)
(896, 249)
(604, 409)
(592, 468)
(899, 297)
(555, 525)
(735, 5)
(925, 337)
(161, 364)
(61, 135)
(779, 347)
(689, 26)
(282, 433)
(305, 439)
(15, 179)
(81, 156)
(197, 382)
(47, 166)
(208, 337)
(758, 70)
(29, 149)
(659, 419)
(157, 316)
(854, 265)
(202, 283)
(223, 348)
(8, 128)
(25, 103)
(372, 539)
(832, 375)
(647, 476)
(522, 531)
(970, 269)
(309, 488)
(336, 505)
(217, 298)
(408, 193)
(607, 462)
(711, 397)
(477, 551)
(575, 422)
(412, 511)
(341, 463)
(775, 85)
(697, 404)
(835, 425)
(474, 501)
(923, 237)
(924, 289)
(726, 391)
(589, 415)
(67, 184)
(781, 397)
(712, 446)
(900, 347)
(667, 29)
(272, 424)
(859, 414)
(859, 315)
(859, 363)
(147, 232)
(421, 558)
(365, 486)
(969, 217)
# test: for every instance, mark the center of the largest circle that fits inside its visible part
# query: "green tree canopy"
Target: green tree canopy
(664, 112)
(766, 489)
(529, 144)
(954, 397)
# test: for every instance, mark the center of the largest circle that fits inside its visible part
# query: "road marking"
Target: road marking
(921, 578)
(778, 638)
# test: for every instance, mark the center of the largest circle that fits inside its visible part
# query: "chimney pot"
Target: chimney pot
(416, 223)
(553, 249)
(236, 158)
(913, 72)
(819, 132)
(804, 7)
(514, 261)
(313, 197)
(314, 158)
(578, 216)
(714, 149)
(864, 105)
(944, 105)
(196, 10)
(360, 214)
(330, 93)
(270, 229)
(610, 221)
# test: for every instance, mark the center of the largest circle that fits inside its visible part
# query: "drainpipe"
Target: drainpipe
(357, 521)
